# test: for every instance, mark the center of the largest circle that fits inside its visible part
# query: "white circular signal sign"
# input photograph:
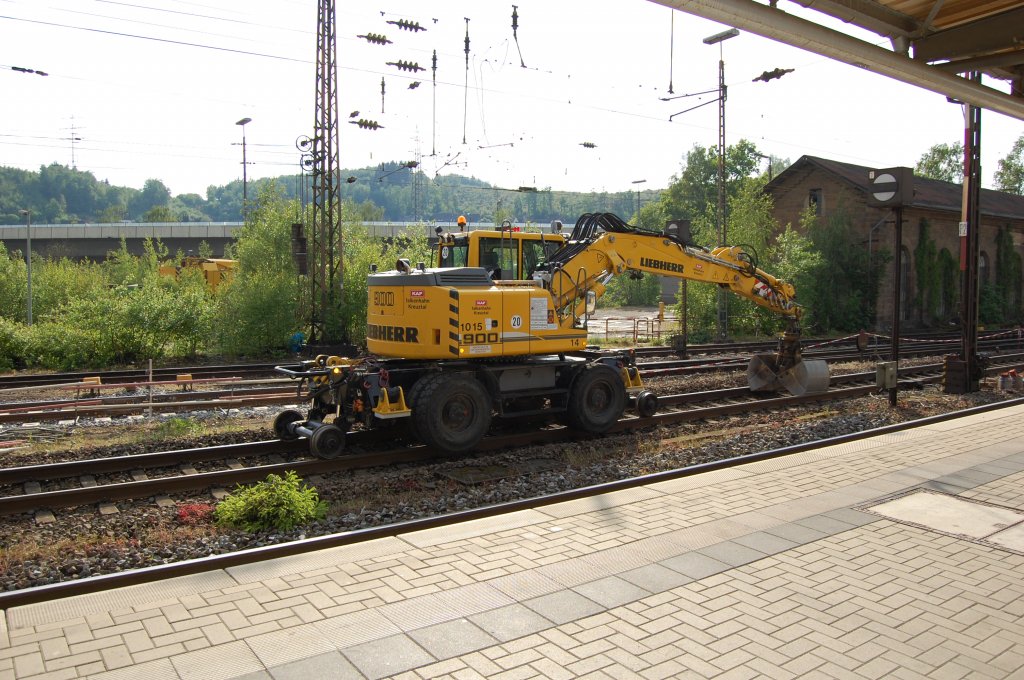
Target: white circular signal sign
(884, 187)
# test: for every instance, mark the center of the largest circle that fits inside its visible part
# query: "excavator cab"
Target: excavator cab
(506, 254)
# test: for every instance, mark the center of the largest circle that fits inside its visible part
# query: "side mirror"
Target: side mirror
(591, 302)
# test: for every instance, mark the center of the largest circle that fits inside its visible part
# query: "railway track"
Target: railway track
(136, 375)
(155, 475)
(859, 346)
(238, 396)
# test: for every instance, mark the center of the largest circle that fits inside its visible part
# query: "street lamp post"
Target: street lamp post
(245, 179)
(638, 182)
(723, 301)
(28, 258)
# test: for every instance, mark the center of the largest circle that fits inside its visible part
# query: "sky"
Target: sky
(154, 88)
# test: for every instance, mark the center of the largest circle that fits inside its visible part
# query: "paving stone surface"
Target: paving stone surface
(775, 569)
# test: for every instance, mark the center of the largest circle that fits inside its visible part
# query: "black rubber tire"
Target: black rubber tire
(646, 404)
(283, 419)
(453, 414)
(412, 400)
(327, 442)
(597, 399)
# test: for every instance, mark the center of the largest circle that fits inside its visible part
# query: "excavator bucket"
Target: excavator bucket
(805, 377)
(761, 375)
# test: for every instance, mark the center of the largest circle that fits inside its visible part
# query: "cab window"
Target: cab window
(535, 252)
(453, 255)
(500, 256)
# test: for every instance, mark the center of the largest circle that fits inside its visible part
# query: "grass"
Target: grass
(177, 427)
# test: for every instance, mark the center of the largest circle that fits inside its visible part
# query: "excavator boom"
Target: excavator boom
(602, 245)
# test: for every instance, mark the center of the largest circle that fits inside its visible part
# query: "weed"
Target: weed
(280, 503)
(192, 514)
(177, 427)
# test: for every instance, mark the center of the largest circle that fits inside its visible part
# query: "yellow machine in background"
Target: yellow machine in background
(453, 347)
(214, 270)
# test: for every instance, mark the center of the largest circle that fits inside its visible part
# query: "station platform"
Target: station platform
(896, 556)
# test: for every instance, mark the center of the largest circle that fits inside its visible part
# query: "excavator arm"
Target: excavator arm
(591, 257)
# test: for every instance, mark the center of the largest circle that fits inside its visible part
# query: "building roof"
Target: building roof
(929, 193)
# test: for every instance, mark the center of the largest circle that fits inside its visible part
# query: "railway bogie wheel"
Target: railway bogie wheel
(646, 404)
(453, 414)
(282, 421)
(597, 399)
(327, 441)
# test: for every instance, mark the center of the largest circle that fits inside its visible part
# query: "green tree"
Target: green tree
(362, 250)
(793, 258)
(112, 214)
(694, 192)
(122, 268)
(1010, 171)
(258, 309)
(942, 161)
(153, 193)
(13, 285)
(159, 213)
(848, 281)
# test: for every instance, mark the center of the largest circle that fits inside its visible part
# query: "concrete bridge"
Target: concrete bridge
(94, 241)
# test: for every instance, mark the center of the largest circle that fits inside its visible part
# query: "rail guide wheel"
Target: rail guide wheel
(327, 441)
(281, 423)
(646, 404)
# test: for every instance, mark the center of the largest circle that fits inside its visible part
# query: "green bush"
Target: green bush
(62, 346)
(276, 503)
(12, 345)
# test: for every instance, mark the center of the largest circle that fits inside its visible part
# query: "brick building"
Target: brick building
(829, 187)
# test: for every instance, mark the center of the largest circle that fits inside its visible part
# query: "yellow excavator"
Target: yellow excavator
(450, 348)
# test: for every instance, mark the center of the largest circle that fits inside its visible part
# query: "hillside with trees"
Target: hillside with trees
(392, 191)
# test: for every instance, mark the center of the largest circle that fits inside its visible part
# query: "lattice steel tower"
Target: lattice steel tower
(326, 271)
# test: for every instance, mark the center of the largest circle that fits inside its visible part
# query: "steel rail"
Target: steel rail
(50, 379)
(127, 409)
(157, 398)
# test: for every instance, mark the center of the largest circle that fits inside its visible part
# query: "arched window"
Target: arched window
(983, 268)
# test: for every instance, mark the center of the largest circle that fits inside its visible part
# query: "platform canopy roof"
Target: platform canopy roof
(933, 42)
